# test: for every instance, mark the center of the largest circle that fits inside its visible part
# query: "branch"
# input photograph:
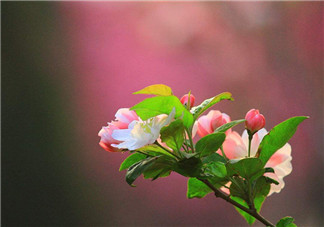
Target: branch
(227, 198)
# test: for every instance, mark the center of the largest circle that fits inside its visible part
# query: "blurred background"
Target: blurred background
(67, 67)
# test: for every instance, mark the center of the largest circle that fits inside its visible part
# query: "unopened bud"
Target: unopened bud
(254, 121)
(184, 100)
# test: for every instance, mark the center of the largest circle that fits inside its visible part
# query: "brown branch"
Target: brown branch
(227, 198)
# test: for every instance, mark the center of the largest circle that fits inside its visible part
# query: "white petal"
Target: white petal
(121, 134)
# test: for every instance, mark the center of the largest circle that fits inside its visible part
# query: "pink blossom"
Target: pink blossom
(184, 100)
(140, 133)
(207, 124)
(236, 147)
(254, 121)
(124, 117)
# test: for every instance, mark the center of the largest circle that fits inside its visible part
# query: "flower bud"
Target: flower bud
(254, 121)
(184, 100)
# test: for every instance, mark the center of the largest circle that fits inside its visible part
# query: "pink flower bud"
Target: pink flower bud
(184, 100)
(207, 124)
(254, 121)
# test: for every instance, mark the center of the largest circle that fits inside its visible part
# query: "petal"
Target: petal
(273, 187)
(121, 134)
(125, 115)
(194, 129)
(204, 126)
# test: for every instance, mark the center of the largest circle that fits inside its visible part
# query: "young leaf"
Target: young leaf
(198, 110)
(197, 189)
(229, 125)
(172, 134)
(155, 150)
(278, 137)
(245, 167)
(132, 159)
(138, 168)
(210, 143)
(286, 222)
(154, 106)
(156, 89)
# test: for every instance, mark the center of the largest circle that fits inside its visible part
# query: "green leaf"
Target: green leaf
(286, 222)
(258, 203)
(257, 175)
(278, 137)
(190, 167)
(229, 125)
(187, 155)
(198, 110)
(245, 167)
(269, 170)
(260, 192)
(271, 181)
(162, 167)
(238, 188)
(156, 89)
(173, 134)
(215, 169)
(261, 188)
(154, 106)
(214, 157)
(210, 143)
(138, 168)
(132, 159)
(155, 150)
(197, 189)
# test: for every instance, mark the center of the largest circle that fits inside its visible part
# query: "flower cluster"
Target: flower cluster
(160, 132)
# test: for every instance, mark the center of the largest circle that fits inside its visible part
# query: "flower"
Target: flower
(207, 124)
(254, 121)
(124, 117)
(184, 100)
(140, 133)
(236, 147)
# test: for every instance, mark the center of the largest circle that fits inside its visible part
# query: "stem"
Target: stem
(157, 143)
(190, 139)
(184, 148)
(223, 153)
(185, 142)
(251, 203)
(227, 198)
(250, 140)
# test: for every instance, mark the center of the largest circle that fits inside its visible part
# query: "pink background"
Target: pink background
(85, 59)
(269, 55)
